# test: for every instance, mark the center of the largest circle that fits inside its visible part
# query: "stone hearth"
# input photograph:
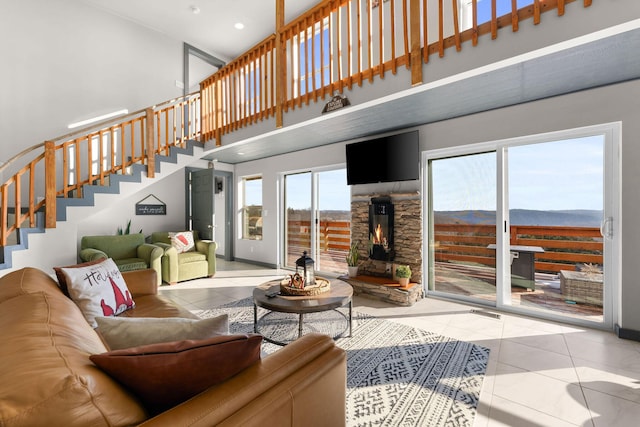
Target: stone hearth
(407, 245)
(385, 290)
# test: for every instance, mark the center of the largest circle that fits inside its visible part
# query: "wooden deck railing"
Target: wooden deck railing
(334, 235)
(63, 166)
(341, 43)
(564, 247)
(334, 242)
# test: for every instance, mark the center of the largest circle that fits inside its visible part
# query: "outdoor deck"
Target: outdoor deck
(479, 282)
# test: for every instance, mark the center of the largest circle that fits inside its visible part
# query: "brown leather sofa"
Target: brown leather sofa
(46, 377)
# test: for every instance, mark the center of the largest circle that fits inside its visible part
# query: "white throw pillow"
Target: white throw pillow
(126, 332)
(183, 241)
(99, 290)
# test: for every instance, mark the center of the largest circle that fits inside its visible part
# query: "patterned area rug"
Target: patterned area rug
(396, 375)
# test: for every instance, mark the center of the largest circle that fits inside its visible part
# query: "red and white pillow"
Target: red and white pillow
(98, 289)
(183, 241)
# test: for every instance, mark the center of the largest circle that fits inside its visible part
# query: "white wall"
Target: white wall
(64, 61)
(169, 190)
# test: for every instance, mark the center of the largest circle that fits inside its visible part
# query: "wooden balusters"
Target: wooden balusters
(49, 184)
(149, 143)
(416, 62)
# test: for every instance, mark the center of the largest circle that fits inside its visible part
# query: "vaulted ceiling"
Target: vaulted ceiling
(207, 24)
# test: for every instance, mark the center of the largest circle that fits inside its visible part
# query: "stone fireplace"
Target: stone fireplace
(403, 243)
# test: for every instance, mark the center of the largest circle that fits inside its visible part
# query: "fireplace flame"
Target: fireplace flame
(378, 238)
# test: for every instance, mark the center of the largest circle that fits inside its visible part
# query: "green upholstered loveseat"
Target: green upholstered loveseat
(129, 252)
(193, 264)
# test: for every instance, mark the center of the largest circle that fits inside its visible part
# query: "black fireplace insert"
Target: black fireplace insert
(381, 229)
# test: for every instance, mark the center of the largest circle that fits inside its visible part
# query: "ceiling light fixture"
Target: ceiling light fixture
(98, 119)
(238, 26)
(195, 10)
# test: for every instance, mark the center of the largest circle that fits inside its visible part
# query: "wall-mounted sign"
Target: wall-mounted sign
(147, 206)
(336, 103)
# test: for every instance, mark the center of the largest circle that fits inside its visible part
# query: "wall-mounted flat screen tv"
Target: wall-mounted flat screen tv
(386, 159)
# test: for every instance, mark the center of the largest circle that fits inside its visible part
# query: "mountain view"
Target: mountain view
(560, 218)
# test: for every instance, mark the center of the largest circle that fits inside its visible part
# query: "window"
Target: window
(252, 208)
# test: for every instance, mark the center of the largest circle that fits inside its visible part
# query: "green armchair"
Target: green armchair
(128, 251)
(200, 261)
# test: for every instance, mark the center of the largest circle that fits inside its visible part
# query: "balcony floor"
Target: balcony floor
(479, 282)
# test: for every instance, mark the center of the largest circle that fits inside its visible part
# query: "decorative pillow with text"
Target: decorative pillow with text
(62, 279)
(98, 289)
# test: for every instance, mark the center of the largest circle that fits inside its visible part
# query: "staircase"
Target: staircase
(126, 162)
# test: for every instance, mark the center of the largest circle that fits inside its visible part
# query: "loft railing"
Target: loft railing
(61, 167)
(339, 43)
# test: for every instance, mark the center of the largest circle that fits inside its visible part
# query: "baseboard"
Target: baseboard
(261, 264)
(627, 334)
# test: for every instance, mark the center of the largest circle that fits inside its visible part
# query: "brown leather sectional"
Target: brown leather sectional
(46, 377)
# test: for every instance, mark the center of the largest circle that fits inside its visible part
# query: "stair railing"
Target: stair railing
(62, 166)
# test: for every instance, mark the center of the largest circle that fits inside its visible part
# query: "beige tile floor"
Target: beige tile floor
(540, 373)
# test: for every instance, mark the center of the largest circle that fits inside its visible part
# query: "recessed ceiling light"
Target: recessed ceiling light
(238, 26)
(240, 153)
(195, 10)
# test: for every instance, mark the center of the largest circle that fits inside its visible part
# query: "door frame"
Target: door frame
(228, 208)
(611, 212)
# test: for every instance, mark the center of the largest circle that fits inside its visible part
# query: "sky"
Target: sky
(335, 194)
(547, 176)
(503, 7)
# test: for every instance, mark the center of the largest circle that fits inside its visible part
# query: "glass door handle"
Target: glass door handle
(606, 228)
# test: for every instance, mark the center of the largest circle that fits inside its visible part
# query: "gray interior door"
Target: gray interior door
(202, 203)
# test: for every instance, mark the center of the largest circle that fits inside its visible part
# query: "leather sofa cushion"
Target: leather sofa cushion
(46, 373)
(157, 306)
(165, 374)
(25, 281)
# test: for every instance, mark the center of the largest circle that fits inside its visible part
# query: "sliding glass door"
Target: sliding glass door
(317, 207)
(527, 224)
(462, 234)
(556, 209)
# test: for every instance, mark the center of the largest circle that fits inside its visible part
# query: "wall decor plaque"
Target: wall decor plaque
(147, 206)
(336, 103)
